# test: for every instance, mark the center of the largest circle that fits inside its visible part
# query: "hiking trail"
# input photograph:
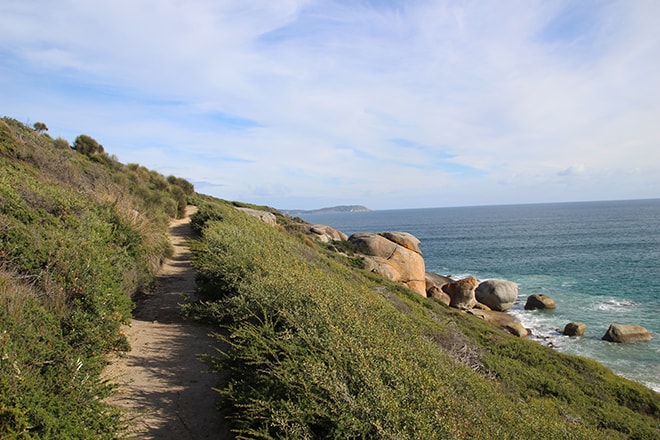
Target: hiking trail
(165, 390)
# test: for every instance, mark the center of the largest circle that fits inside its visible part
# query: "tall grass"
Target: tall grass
(319, 350)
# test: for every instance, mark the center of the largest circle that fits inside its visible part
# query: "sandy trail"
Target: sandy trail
(166, 391)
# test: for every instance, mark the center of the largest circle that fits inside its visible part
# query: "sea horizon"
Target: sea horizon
(487, 205)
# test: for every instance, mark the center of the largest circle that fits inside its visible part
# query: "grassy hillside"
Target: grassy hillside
(79, 233)
(320, 349)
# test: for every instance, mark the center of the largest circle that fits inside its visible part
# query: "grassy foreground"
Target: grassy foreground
(317, 349)
(79, 233)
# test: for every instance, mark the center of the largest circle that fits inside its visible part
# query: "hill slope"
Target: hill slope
(79, 234)
(319, 349)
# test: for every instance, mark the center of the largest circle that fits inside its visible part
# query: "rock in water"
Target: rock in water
(538, 301)
(497, 294)
(626, 333)
(575, 329)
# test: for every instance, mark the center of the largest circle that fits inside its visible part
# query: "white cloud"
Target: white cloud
(303, 101)
(573, 170)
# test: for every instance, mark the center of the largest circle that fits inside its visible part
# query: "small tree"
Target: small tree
(40, 127)
(87, 145)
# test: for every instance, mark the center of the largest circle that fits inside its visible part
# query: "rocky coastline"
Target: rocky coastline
(397, 256)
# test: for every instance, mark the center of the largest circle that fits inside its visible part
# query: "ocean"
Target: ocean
(599, 261)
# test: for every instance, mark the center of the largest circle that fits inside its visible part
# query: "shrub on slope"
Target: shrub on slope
(318, 350)
(78, 235)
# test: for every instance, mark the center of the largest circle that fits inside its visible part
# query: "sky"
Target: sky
(303, 104)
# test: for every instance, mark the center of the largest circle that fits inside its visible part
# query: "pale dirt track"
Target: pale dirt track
(165, 390)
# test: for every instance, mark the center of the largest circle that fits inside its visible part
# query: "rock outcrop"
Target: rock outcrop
(325, 234)
(499, 295)
(264, 216)
(575, 329)
(437, 293)
(627, 333)
(538, 301)
(393, 255)
(435, 280)
(404, 239)
(503, 320)
(461, 293)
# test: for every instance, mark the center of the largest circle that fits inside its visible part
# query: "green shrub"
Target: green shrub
(87, 145)
(79, 235)
(315, 349)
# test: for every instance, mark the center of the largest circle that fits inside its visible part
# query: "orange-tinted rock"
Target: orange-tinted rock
(503, 320)
(461, 293)
(437, 293)
(325, 234)
(433, 279)
(392, 260)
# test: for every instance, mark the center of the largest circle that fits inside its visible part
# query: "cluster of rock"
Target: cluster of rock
(620, 333)
(397, 256)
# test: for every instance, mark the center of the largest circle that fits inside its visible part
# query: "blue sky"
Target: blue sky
(388, 104)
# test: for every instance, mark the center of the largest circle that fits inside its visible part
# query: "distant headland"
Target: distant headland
(330, 210)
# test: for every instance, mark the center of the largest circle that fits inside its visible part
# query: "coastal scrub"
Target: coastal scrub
(318, 349)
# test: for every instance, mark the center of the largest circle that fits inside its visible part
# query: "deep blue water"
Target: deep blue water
(599, 261)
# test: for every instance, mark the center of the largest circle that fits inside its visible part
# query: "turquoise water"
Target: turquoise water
(599, 261)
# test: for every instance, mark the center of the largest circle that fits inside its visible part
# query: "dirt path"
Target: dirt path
(163, 386)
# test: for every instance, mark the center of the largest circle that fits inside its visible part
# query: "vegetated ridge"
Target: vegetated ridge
(311, 345)
(79, 234)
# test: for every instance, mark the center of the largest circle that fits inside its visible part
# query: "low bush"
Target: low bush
(316, 349)
(79, 234)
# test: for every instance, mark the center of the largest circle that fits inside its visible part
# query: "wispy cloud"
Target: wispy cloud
(389, 104)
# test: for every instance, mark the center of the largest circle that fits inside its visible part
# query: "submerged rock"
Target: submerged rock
(575, 329)
(497, 294)
(538, 301)
(627, 333)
